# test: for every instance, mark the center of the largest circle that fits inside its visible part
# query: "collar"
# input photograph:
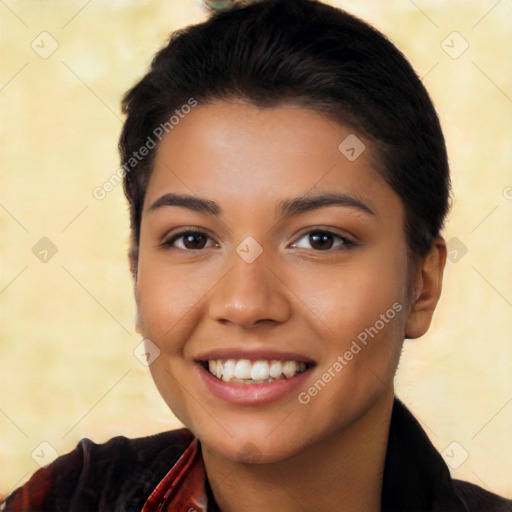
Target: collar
(416, 477)
(183, 487)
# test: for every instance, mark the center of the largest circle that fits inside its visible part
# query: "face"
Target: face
(290, 281)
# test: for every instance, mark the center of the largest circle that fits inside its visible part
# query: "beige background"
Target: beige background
(67, 331)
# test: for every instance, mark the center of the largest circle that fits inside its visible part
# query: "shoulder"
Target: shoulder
(477, 499)
(416, 477)
(116, 475)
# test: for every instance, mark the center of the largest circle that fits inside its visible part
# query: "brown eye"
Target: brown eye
(187, 240)
(321, 240)
(193, 241)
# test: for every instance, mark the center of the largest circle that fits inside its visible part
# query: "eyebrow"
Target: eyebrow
(294, 206)
(286, 208)
(186, 201)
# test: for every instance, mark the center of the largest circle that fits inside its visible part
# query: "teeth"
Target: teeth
(276, 369)
(251, 372)
(260, 370)
(229, 369)
(290, 368)
(219, 369)
(243, 369)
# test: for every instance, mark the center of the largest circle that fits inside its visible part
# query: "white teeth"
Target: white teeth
(229, 369)
(290, 368)
(252, 372)
(260, 370)
(276, 369)
(243, 369)
(219, 369)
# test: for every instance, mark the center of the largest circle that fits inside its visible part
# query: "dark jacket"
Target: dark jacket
(121, 474)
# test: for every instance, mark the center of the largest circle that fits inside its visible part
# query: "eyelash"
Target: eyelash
(346, 242)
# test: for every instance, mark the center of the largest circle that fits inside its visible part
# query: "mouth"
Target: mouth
(250, 372)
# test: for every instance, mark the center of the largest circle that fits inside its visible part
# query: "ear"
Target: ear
(428, 280)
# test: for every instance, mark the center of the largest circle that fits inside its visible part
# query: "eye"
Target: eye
(188, 240)
(322, 240)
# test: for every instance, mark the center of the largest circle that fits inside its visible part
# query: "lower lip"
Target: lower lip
(250, 394)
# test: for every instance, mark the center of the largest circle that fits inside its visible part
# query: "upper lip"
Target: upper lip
(254, 354)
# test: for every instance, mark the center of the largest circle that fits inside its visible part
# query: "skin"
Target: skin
(296, 296)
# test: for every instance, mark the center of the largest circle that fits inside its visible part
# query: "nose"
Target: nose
(249, 295)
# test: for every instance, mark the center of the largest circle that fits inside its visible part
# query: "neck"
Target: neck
(341, 472)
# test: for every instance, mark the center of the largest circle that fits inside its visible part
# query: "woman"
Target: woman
(287, 180)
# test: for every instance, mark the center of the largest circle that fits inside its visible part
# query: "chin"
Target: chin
(255, 451)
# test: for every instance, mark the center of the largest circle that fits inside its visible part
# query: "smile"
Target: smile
(260, 371)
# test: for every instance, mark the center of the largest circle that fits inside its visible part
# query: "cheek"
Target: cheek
(370, 322)
(169, 301)
(346, 299)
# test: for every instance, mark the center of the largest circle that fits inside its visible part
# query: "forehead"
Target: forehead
(247, 155)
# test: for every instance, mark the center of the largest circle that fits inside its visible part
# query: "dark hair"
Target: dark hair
(307, 53)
